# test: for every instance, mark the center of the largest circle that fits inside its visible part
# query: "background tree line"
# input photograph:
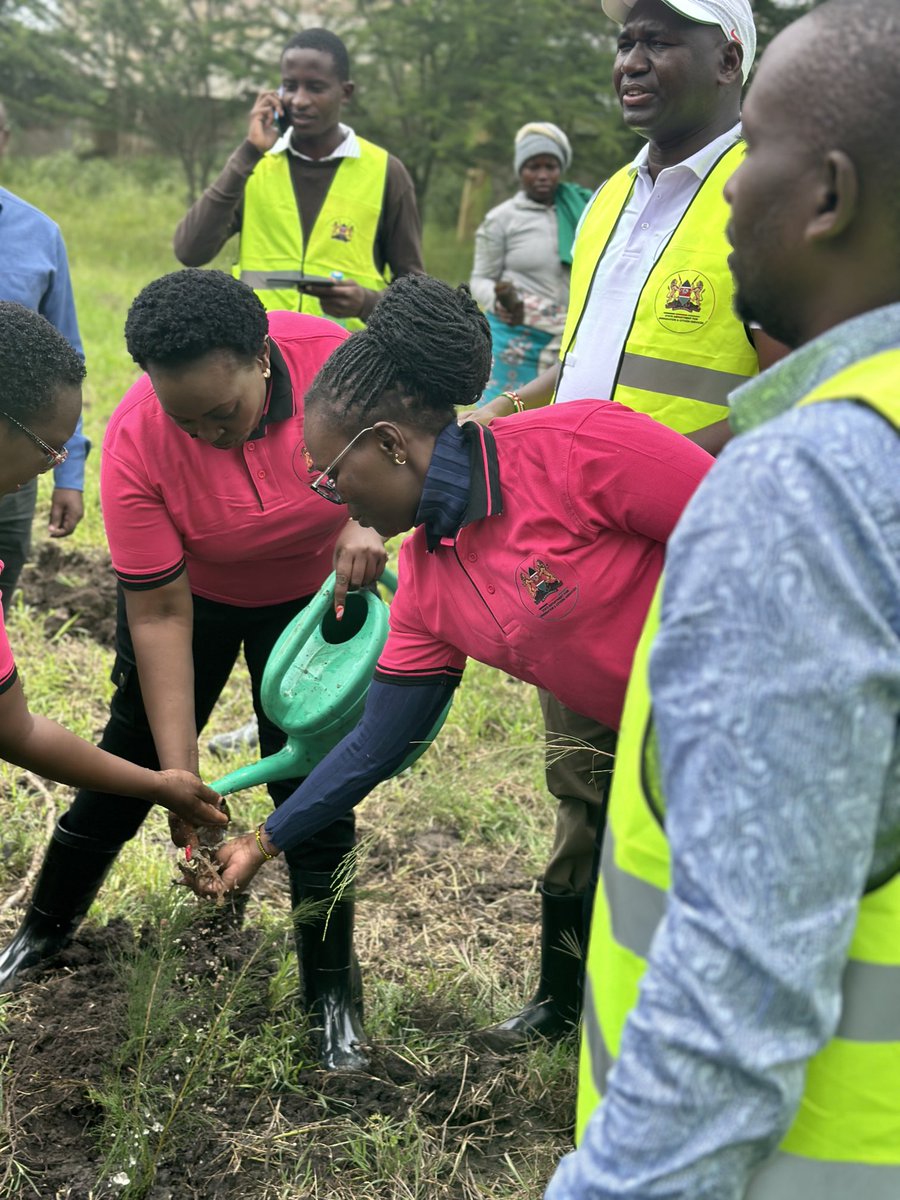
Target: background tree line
(443, 83)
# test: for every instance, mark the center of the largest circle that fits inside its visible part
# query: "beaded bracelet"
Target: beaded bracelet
(516, 399)
(263, 851)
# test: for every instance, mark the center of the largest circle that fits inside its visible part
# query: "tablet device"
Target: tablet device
(286, 279)
(315, 281)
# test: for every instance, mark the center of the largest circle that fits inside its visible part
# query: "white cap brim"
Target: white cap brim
(619, 10)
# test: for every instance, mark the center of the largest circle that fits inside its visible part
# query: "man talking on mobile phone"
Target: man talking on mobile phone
(326, 219)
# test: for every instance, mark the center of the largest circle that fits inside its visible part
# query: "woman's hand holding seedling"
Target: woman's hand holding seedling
(233, 866)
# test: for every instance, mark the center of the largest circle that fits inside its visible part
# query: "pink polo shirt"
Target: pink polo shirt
(243, 522)
(553, 577)
(7, 662)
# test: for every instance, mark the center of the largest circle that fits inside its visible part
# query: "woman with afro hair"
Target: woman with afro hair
(217, 543)
(538, 544)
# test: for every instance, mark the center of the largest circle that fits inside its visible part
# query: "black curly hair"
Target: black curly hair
(180, 317)
(325, 42)
(35, 362)
(425, 351)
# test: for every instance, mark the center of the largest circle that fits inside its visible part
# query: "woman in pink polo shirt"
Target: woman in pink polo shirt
(218, 543)
(537, 548)
(40, 399)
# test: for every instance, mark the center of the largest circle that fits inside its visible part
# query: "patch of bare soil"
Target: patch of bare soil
(470, 1103)
(73, 588)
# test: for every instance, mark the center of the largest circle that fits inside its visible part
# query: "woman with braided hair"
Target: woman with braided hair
(538, 544)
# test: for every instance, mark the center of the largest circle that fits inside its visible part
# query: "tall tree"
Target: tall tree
(445, 83)
(33, 77)
(173, 70)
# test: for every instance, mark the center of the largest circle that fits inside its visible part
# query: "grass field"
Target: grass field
(167, 1057)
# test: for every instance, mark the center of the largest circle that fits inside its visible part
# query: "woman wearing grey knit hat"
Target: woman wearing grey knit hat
(523, 255)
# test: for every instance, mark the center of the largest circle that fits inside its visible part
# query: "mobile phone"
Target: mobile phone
(281, 119)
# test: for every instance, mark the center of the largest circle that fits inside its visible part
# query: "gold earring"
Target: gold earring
(401, 462)
(267, 372)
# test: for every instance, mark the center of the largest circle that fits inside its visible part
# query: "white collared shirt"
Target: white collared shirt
(647, 223)
(348, 148)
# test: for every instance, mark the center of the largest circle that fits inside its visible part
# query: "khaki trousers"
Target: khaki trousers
(579, 772)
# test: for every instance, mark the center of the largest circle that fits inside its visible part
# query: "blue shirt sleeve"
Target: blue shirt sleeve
(776, 688)
(396, 718)
(58, 306)
(58, 302)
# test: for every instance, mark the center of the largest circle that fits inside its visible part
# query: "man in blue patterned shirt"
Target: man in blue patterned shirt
(760, 1058)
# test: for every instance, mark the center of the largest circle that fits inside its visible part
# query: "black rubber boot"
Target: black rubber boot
(332, 983)
(556, 1006)
(74, 869)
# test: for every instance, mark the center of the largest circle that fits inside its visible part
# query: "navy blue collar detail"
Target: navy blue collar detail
(280, 398)
(462, 483)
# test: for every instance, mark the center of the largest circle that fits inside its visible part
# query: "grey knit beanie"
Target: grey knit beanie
(542, 137)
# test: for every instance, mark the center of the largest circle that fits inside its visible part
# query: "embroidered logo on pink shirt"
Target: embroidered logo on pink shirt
(542, 590)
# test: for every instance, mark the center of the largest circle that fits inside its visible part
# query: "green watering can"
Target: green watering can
(315, 684)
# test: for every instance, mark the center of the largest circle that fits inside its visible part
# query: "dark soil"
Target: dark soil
(421, 894)
(61, 1039)
(59, 1048)
(77, 586)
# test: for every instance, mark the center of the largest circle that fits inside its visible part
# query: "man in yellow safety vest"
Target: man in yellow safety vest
(742, 1005)
(651, 325)
(326, 218)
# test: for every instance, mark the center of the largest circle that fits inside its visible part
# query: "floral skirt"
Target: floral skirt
(520, 353)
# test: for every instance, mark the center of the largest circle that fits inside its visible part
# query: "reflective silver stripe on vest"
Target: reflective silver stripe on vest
(677, 379)
(635, 907)
(601, 1059)
(262, 281)
(789, 1177)
(870, 1004)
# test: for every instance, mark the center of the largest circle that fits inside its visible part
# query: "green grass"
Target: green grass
(450, 853)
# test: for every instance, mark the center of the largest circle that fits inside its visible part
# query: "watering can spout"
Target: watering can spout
(286, 764)
(315, 684)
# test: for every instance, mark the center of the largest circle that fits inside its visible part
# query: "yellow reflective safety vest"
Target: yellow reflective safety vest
(844, 1143)
(686, 349)
(342, 239)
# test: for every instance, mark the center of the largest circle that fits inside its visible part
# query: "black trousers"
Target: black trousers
(219, 632)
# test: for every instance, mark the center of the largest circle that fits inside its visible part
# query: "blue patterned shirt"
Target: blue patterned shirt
(776, 688)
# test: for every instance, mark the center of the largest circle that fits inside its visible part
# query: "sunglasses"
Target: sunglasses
(323, 485)
(54, 458)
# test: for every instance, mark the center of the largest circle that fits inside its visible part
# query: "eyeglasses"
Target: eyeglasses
(55, 458)
(323, 485)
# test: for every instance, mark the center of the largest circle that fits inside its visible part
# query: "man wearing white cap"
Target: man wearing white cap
(650, 320)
